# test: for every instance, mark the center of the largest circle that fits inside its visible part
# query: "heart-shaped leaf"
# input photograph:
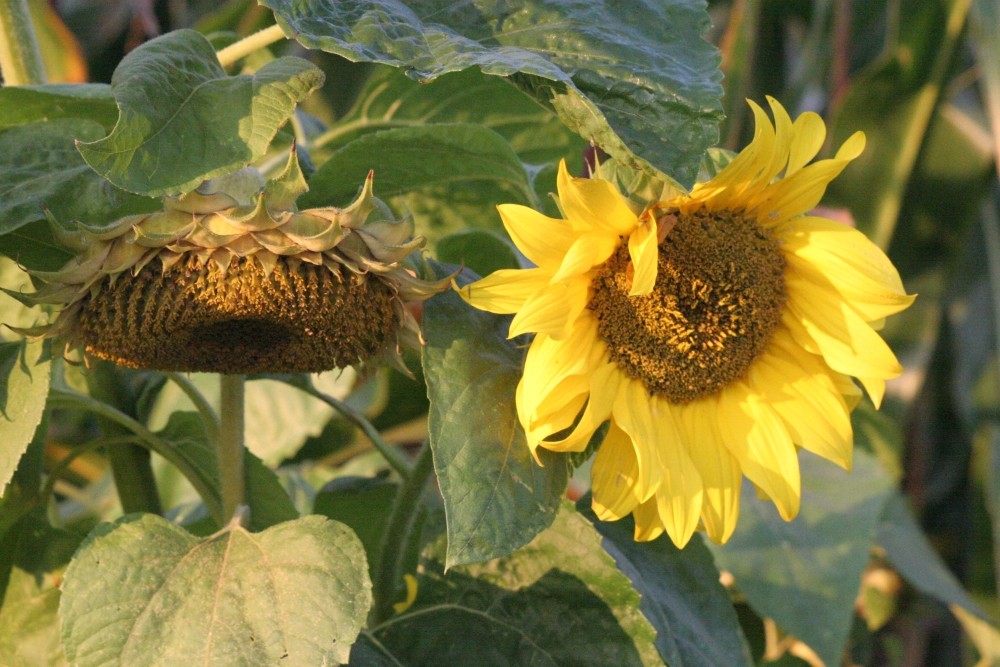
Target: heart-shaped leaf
(143, 591)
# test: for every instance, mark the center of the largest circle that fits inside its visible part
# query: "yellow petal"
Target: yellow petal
(847, 342)
(680, 496)
(721, 476)
(642, 248)
(552, 310)
(808, 135)
(647, 521)
(605, 383)
(504, 291)
(809, 404)
(542, 239)
(593, 204)
(633, 413)
(758, 439)
(588, 251)
(805, 188)
(549, 361)
(613, 476)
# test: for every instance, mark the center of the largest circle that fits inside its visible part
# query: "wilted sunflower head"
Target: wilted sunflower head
(232, 278)
(719, 331)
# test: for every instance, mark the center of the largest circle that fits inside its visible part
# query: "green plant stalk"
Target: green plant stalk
(208, 415)
(61, 398)
(229, 446)
(241, 49)
(130, 465)
(396, 459)
(388, 571)
(20, 58)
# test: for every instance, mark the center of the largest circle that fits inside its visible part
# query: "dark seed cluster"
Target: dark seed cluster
(718, 297)
(195, 317)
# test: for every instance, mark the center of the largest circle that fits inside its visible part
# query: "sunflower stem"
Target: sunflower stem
(229, 446)
(20, 58)
(388, 571)
(234, 52)
(130, 464)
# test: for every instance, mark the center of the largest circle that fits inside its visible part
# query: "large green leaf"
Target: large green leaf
(805, 573)
(557, 601)
(681, 595)
(21, 105)
(413, 158)
(143, 591)
(29, 625)
(641, 82)
(23, 391)
(266, 498)
(363, 504)
(479, 250)
(182, 120)
(42, 169)
(496, 496)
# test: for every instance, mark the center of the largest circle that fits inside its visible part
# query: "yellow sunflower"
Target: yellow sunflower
(717, 331)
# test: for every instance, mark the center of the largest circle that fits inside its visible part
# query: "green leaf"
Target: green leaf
(23, 105)
(681, 595)
(407, 159)
(22, 401)
(361, 503)
(642, 84)
(29, 625)
(42, 170)
(558, 601)
(478, 250)
(182, 120)
(268, 502)
(496, 497)
(144, 591)
(34, 247)
(805, 573)
(907, 549)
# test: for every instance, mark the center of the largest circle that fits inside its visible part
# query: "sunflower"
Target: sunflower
(233, 278)
(718, 331)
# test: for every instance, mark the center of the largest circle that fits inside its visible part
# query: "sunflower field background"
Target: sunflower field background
(391, 518)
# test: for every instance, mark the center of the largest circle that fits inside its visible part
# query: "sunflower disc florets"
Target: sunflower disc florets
(232, 278)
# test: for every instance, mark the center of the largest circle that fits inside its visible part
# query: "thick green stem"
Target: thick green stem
(20, 57)
(130, 465)
(229, 446)
(388, 571)
(234, 52)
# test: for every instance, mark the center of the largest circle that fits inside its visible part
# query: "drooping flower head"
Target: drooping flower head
(232, 278)
(717, 331)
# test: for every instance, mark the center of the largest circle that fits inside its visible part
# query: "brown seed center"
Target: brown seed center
(718, 297)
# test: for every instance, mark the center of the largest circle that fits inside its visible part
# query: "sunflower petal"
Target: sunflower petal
(591, 203)
(604, 385)
(588, 251)
(504, 291)
(633, 412)
(648, 525)
(542, 239)
(758, 439)
(613, 476)
(642, 248)
(809, 133)
(552, 310)
(680, 495)
(720, 473)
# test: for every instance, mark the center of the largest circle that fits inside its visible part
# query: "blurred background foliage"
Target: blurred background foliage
(920, 77)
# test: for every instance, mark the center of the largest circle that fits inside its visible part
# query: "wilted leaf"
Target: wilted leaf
(143, 591)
